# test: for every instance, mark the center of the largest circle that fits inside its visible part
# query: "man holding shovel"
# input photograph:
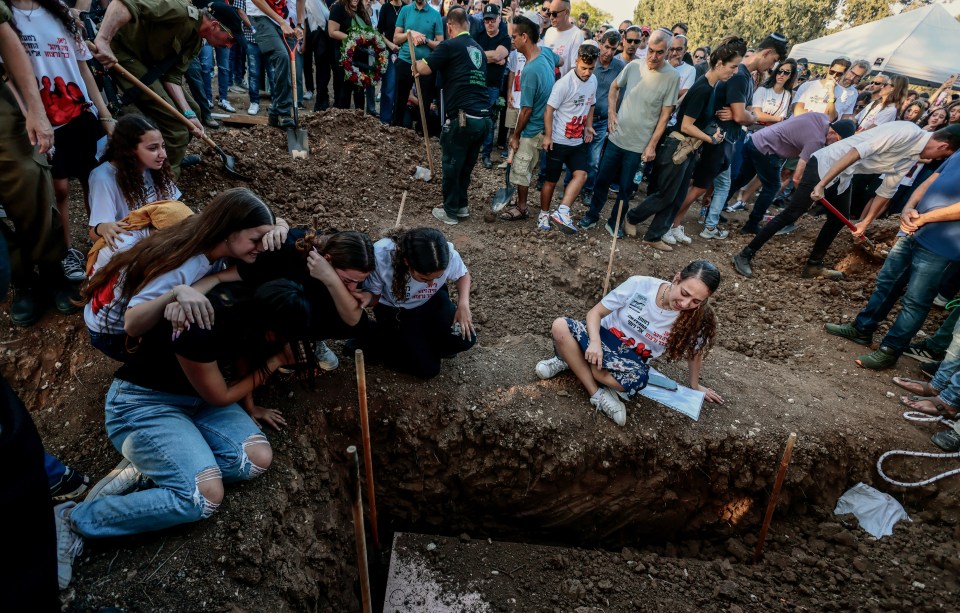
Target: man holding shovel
(279, 27)
(467, 107)
(155, 40)
(890, 149)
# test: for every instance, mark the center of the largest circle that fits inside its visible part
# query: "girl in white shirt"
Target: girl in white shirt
(640, 320)
(136, 172)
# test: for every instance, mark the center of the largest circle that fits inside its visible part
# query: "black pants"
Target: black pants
(404, 83)
(318, 60)
(28, 574)
(414, 340)
(799, 204)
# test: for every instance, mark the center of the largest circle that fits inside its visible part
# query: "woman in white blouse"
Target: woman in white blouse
(885, 105)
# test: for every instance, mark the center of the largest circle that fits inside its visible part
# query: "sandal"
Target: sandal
(939, 409)
(925, 389)
(514, 213)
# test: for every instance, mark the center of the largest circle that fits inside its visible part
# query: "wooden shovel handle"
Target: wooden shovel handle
(423, 113)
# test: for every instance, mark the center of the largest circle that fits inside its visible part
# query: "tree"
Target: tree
(859, 12)
(711, 20)
(597, 16)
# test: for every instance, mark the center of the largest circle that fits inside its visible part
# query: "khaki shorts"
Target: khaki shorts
(526, 160)
(512, 116)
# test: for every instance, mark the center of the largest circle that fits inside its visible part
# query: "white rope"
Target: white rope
(918, 416)
(918, 454)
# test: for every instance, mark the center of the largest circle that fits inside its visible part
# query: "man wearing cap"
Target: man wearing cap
(155, 40)
(891, 149)
(496, 47)
(763, 154)
(467, 109)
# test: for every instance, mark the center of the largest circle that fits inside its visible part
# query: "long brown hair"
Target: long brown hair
(361, 11)
(121, 152)
(348, 250)
(164, 250)
(694, 330)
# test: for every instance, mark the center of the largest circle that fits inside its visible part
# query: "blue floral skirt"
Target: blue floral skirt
(628, 368)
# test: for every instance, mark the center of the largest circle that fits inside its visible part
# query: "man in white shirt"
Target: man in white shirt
(563, 39)
(891, 149)
(642, 47)
(688, 74)
(820, 96)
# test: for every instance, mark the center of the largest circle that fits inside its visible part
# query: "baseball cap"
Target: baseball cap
(491, 11)
(225, 14)
(844, 127)
(645, 29)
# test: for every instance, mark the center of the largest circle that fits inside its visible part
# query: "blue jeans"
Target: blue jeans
(617, 165)
(253, 72)
(388, 91)
(767, 168)
(492, 94)
(596, 148)
(54, 468)
(207, 53)
(947, 379)
(921, 270)
(238, 62)
(721, 189)
(178, 442)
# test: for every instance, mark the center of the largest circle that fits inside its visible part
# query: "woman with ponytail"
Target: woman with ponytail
(417, 323)
(642, 319)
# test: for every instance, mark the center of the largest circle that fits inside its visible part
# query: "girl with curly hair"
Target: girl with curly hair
(642, 319)
(136, 172)
(417, 323)
(72, 101)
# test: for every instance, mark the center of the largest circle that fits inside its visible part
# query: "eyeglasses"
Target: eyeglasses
(557, 13)
(854, 77)
(632, 41)
(887, 85)
(785, 73)
(699, 56)
(836, 73)
(544, 9)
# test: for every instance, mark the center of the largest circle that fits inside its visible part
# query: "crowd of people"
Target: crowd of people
(201, 309)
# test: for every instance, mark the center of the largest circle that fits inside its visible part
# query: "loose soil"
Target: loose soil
(488, 449)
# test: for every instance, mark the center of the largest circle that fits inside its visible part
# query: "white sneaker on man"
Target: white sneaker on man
(326, 359)
(69, 544)
(543, 220)
(668, 237)
(681, 236)
(225, 105)
(561, 217)
(254, 108)
(715, 233)
(548, 369)
(607, 403)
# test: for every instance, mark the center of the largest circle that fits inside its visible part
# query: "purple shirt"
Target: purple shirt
(799, 136)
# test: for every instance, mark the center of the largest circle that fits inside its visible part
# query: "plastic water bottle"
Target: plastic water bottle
(638, 178)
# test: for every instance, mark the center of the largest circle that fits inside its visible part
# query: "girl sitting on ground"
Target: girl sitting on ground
(417, 323)
(127, 296)
(136, 172)
(177, 420)
(642, 319)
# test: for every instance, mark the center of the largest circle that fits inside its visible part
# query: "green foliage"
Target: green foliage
(711, 20)
(597, 17)
(859, 12)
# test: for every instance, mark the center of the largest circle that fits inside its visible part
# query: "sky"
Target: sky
(620, 9)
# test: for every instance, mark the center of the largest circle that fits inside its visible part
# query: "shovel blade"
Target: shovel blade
(502, 198)
(230, 165)
(297, 142)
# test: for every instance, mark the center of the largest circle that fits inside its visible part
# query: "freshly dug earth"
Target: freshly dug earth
(489, 449)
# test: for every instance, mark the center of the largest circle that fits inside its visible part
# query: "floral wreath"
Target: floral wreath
(364, 39)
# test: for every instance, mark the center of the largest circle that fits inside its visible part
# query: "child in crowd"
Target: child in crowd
(73, 103)
(135, 173)
(642, 319)
(175, 417)
(417, 323)
(568, 128)
(127, 296)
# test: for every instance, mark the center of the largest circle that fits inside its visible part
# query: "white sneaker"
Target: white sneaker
(739, 205)
(69, 544)
(561, 217)
(668, 237)
(607, 403)
(441, 214)
(254, 108)
(123, 479)
(73, 265)
(940, 301)
(543, 220)
(225, 105)
(548, 369)
(308, 95)
(326, 359)
(714, 232)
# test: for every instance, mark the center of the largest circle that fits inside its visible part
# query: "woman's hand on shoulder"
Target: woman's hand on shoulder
(110, 231)
(710, 395)
(196, 306)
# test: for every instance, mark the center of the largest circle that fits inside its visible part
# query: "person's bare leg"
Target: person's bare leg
(546, 195)
(522, 191)
(573, 188)
(692, 194)
(605, 378)
(750, 190)
(61, 190)
(569, 351)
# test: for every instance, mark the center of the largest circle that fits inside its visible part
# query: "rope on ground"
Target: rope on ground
(917, 454)
(918, 416)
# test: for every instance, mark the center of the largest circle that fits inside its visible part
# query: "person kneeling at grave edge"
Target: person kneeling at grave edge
(417, 323)
(643, 318)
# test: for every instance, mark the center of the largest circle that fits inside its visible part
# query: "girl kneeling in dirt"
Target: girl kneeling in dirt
(177, 420)
(127, 295)
(330, 266)
(417, 323)
(643, 318)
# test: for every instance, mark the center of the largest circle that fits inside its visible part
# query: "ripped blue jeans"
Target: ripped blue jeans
(178, 442)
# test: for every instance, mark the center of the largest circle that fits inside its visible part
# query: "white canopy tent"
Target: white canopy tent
(922, 45)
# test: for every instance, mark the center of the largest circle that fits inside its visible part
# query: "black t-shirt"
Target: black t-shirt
(494, 71)
(698, 103)
(387, 24)
(464, 69)
(738, 88)
(339, 14)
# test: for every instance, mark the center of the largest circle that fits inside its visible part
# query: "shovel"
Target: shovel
(296, 136)
(865, 243)
(229, 162)
(422, 173)
(505, 194)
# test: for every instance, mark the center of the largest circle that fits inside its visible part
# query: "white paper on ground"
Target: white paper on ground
(683, 400)
(877, 512)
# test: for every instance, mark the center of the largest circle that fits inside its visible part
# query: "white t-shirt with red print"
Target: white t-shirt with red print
(635, 317)
(54, 54)
(566, 45)
(380, 282)
(515, 63)
(571, 99)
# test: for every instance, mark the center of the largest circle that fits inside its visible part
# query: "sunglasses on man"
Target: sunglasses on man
(557, 13)
(837, 73)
